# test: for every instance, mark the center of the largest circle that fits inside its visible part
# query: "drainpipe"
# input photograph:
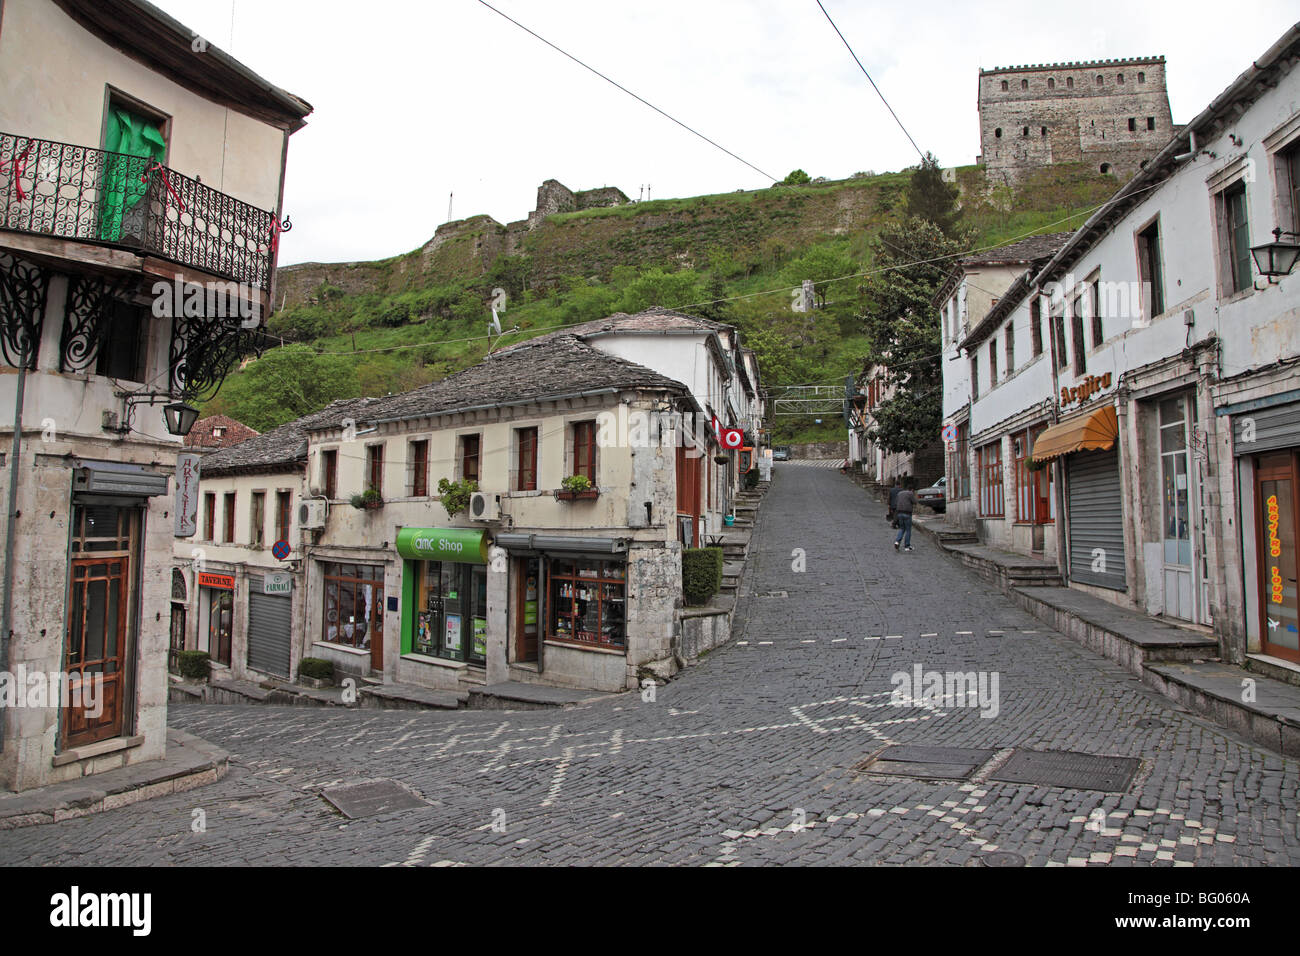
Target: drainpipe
(6, 603)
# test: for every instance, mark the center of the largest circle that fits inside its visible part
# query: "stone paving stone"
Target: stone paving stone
(712, 772)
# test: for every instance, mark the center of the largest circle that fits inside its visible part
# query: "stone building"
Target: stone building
(112, 127)
(1111, 114)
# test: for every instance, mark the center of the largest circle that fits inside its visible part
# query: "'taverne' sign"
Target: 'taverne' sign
(443, 544)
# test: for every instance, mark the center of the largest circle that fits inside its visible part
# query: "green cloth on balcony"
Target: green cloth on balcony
(132, 143)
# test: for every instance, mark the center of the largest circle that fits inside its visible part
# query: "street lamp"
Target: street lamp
(1276, 258)
(180, 418)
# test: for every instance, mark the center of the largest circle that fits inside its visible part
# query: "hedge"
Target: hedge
(701, 574)
(193, 665)
(317, 668)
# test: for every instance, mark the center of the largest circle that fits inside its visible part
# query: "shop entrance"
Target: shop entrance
(528, 590)
(1277, 505)
(1180, 511)
(451, 621)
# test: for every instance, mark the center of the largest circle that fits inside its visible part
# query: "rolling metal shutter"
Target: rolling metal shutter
(1096, 518)
(1273, 428)
(269, 629)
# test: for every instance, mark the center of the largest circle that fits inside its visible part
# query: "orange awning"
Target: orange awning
(1096, 429)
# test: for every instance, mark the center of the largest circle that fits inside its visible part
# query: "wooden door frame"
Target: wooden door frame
(1292, 474)
(115, 682)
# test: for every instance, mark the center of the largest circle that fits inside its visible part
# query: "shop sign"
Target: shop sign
(1089, 387)
(443, 544)
(1275, 583)
(224, 582)
(277, 582)
(187, 495)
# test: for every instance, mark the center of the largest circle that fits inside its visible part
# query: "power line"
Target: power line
(640, 99)
(873, 85)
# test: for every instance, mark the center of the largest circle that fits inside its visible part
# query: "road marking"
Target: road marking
(838, 640)
(929, 635)
(809, 641)
(963, 632)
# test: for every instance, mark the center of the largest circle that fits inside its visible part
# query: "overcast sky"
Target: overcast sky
(416, 101)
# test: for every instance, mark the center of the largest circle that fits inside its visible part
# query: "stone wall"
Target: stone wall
(1112, 114)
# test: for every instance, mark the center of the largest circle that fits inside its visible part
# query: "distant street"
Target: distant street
(749, 757)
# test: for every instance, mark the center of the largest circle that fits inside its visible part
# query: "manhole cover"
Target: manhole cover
(369, 799)
(1064, 768)
(930, 763)
(1003, 858)
(1147, 723)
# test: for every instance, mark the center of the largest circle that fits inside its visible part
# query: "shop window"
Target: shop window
(584, 450)
(257, 520)
(587, 602)
(354, 603)
(283, 512)
(470, 447)
(990, 469)
(451, 618)
(375, 467)
(1033, 483)
(330, 472)
(525, 459)
(228, 524)
(418, 458)
(209, 516)
(1149, 268)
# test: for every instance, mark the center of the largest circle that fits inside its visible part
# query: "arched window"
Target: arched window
(178, 585)
(1042, 130)
(1105, 167)
(1051, 83)
(1120, 79)
(998, 132)
(1069, 82)
(1142, 77)
(1024, 84)
(1100, 79)
(1005, 87)
(1024, 131)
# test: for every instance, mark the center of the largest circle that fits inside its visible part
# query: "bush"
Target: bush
(701, 574)
(316, 668)
(455, 495)
(193, 665)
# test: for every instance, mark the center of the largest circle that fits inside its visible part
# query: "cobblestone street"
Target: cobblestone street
(747, 758)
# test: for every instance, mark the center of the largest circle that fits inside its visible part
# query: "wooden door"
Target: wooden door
(95, 649)
(1277, 507)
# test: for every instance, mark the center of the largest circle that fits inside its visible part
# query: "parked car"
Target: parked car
(780, 452)
(935, 496)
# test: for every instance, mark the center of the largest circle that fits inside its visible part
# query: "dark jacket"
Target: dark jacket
(905, 502)
(893, 496)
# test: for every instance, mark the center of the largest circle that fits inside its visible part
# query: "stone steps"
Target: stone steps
(1271, 717)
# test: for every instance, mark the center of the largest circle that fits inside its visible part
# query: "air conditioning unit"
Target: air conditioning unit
(483, 507)
(311, 514)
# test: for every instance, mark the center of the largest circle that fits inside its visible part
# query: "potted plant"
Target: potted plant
(576, 486)
(455, 495)
(194, 665)
(368, 500)
(722, 459)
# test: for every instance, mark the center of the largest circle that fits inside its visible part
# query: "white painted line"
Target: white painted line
(764, 642)
(929, 635)
(893, 637)
(838, 640)
(812, 640)
(741, 643)
(871, 638)
(963, 632)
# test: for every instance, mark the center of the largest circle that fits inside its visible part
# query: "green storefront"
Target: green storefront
(444, 593)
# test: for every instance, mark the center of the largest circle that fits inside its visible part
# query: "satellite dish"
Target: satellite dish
(494, 326)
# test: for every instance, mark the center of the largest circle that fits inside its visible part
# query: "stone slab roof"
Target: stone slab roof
(281, 449)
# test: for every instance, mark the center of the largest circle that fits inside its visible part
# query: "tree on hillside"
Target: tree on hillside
(797, 177)
(932, 199)
(287, 383)
(902, 330)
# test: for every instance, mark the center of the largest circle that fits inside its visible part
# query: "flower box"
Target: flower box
(563, 495)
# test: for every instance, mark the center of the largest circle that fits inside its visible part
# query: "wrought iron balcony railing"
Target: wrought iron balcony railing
(92, 195)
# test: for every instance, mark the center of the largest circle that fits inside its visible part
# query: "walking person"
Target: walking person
(903, 506)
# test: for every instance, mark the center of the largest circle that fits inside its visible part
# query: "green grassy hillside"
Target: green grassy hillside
(391, 325)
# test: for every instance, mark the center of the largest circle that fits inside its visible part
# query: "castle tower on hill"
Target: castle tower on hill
(1112, 114)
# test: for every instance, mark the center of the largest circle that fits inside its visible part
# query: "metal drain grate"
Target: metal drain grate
(926, 763)
(1002, 858)
(1064, 768)
(370, 799)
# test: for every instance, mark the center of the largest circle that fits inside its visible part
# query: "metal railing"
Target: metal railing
(92, 195)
